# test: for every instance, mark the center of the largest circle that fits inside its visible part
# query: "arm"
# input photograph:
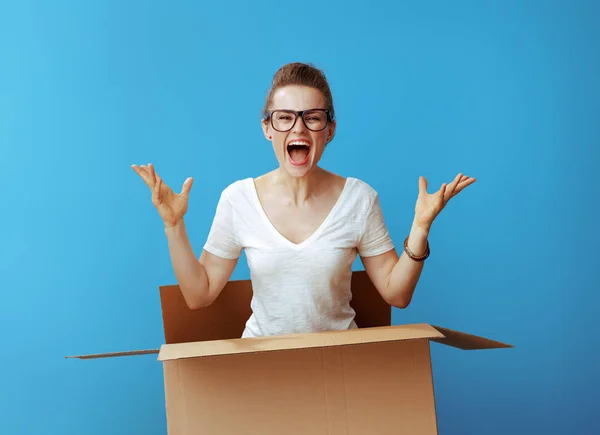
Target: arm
(396, 278)
(201, 281)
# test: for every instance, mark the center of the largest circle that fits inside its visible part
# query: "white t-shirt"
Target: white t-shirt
(299, 287)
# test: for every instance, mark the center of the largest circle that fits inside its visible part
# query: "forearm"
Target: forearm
(402, 279)
(189, 272)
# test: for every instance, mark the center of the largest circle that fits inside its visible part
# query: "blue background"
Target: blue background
(507, 92)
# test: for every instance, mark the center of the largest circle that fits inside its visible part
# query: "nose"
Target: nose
(299, 126)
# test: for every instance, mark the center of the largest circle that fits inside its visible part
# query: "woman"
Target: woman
(300, 226)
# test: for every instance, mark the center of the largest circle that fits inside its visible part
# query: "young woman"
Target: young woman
(300, 226)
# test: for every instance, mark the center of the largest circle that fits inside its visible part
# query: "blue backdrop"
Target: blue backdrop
(507, 92)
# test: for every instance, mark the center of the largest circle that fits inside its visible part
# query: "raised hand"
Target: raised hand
(170, 205)
(429, 205)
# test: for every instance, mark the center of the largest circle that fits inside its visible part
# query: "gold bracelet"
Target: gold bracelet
(413, 256)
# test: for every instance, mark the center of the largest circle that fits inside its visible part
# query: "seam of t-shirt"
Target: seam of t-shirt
(235, 227)
(366, 218)
(378, 251)
(209, 247)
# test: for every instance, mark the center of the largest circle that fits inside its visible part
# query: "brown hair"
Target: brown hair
(302, 74)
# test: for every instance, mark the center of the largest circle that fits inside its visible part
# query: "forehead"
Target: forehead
(297, 98)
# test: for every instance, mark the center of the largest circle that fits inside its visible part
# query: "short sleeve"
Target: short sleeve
(222, 238)
(375, 238)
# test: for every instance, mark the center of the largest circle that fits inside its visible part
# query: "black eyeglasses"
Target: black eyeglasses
(314, 119)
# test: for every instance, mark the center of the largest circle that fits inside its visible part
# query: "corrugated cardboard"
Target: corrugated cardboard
(373, 380)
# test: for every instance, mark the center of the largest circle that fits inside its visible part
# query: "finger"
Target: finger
(441, 199)
(187, 186)
(156, 196)
(462, 180)
(152, 172)
(137, 170)
(466, 182)
(452, 186)
(142, 171)
(422, 185)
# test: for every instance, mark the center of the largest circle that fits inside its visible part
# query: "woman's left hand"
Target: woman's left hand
(429, 205)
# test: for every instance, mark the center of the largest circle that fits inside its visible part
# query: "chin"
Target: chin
(299, 168)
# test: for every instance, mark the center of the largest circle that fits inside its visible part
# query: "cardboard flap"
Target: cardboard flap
(297, 341)
(466, 341)
(226, 317)
(115, 354)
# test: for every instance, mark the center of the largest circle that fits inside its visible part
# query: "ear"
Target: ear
(331, 133)
(266, 127)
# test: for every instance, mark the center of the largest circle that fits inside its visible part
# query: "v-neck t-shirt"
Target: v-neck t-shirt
(299, 287)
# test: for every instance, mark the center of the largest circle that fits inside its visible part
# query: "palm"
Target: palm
(170, 205)
(429, 205)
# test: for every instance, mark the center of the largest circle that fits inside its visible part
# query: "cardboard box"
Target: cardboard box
(373, 380)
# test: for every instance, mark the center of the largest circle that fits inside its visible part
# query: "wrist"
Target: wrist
(416, 244)
(174, 228)
(419, 231)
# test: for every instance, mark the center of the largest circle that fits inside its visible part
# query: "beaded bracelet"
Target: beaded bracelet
(413, 256)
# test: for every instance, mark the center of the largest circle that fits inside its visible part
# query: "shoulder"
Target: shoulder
(237, 189)
(359, 199)
(361, 191)
(237, 195)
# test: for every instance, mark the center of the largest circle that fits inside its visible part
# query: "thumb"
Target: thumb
(187, 186)
(442, 195)
(422, 185)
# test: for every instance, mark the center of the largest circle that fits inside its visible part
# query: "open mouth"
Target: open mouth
(298, 152)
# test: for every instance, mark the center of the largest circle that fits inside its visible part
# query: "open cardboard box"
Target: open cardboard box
(373, 380)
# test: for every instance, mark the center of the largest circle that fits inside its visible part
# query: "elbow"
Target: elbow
(399, 303)
(402, 304)
(196, 302)
(398, 300)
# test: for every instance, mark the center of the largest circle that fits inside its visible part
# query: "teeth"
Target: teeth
(297, 142)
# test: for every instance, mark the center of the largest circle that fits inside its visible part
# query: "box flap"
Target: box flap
(466, 341)
(297, 341)
(226, 317)
(114, 354)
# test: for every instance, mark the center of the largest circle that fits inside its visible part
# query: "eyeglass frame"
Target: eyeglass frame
(299, 114)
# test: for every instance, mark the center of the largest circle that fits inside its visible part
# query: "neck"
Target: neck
(300, 189)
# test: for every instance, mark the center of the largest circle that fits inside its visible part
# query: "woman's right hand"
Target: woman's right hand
(170, 205)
